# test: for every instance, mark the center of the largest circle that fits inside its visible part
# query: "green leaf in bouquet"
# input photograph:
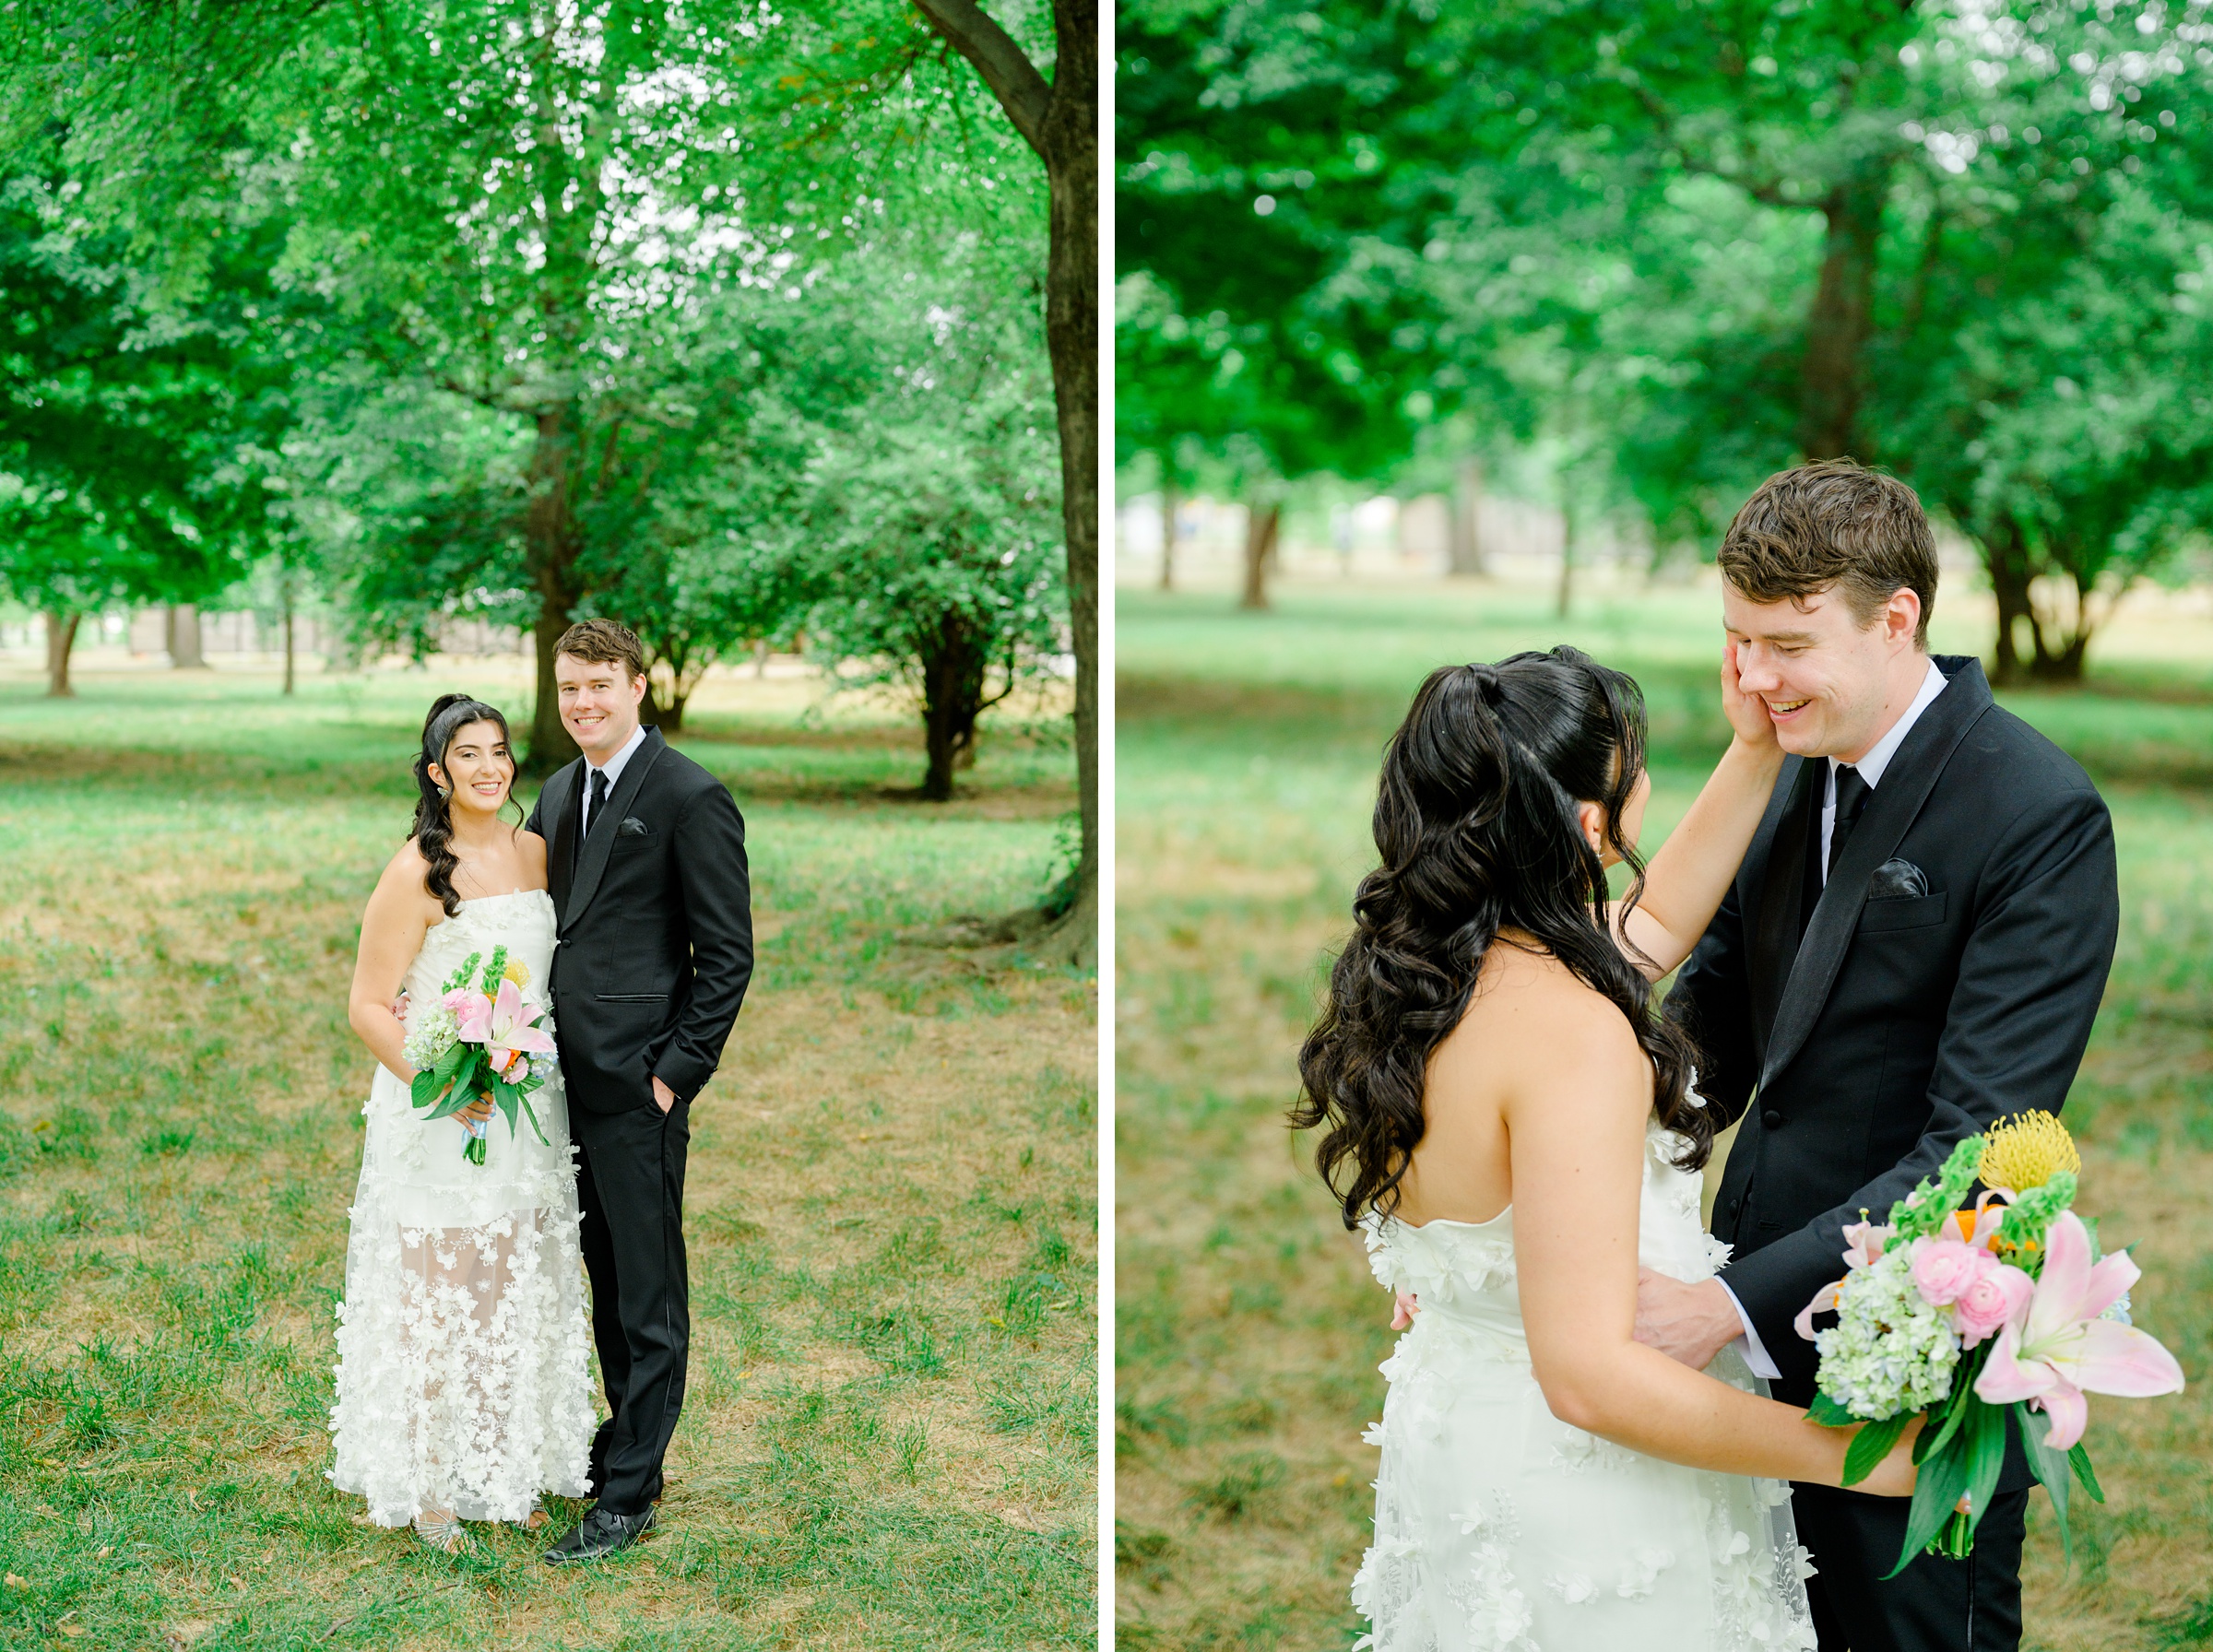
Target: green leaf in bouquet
(1947, 1420)
(1830, 1413)
(1985, 1433)
(2079, 1460)
(529, 1113)
(423, 1089)
(493, 970)
(2050, 1467)
(1871, 1445)
(465, 974)
(1943, 1476)
(450, 1063)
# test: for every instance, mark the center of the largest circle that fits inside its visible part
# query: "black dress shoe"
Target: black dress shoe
(601, 1533)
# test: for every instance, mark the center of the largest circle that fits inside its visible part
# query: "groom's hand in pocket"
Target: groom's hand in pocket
(663, 1097)
(1689, 1324)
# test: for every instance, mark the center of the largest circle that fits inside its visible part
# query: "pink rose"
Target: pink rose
(1998, 1294)
(1943, 1268)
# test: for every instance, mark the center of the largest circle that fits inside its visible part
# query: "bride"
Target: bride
(1518, 1134)
(462, 1385)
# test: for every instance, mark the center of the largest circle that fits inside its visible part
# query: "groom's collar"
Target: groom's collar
(613, 767)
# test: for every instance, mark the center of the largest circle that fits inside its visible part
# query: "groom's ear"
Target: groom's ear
(637, 688)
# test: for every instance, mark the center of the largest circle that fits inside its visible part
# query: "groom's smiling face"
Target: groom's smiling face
(1827, 681)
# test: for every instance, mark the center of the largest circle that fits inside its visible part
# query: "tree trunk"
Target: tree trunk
(287, 630)
(1842, 318)
(2006, 555)
(1071, 151)
(1567, 558)
(1168, 504)
(1263, 521)
(954, 666)
(61, 636)
(550, 553)
(1463, 537)
(184, 638)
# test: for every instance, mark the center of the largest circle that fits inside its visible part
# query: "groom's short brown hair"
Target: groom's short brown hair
(1833, 524)
(606, 643)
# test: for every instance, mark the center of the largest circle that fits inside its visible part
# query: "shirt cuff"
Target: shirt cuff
(1749, 1345)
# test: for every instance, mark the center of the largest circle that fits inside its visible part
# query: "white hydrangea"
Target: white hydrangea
(435, 1031)
(1890, 1350)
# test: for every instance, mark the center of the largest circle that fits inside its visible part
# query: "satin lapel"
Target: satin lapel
(601, 837)
(558, 803)
(1890, 811)
(1775, 926)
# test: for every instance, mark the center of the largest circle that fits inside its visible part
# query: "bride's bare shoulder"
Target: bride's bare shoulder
(1529, 1010)
(403, 879)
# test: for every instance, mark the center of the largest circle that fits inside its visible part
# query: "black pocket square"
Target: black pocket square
(634, 827)
(1897, 881)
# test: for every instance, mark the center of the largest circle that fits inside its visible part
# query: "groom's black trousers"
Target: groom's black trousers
(1935, 1604)
(630, 1183)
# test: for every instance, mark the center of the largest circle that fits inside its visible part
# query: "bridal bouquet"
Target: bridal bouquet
(482, 1040)
(1967, 1314)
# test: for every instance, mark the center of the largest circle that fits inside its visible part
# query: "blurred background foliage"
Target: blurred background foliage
(1672, 249)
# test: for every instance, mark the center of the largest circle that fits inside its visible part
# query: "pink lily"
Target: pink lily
(2059, 1348)
(1866, 1240)
(503, 1026)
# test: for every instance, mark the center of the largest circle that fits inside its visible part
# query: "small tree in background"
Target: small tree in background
(941, 565)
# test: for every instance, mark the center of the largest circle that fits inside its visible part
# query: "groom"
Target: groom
(1914, 946)
(646, 854)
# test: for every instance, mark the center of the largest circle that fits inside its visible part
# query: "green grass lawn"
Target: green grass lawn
(1249, 1327)
(889, 1438)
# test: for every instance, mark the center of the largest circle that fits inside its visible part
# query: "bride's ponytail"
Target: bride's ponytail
(433, 829)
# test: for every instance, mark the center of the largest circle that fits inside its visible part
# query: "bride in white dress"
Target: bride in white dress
(463, 1390)
(1518, 1134)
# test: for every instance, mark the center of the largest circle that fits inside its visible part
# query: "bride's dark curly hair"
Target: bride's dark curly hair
(434, 827)
(1475, 821)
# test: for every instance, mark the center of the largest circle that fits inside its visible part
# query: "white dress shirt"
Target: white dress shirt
(612, 769)
(1871, 767)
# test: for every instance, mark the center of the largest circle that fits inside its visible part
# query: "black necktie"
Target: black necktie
(597, 803)
(1851, 797)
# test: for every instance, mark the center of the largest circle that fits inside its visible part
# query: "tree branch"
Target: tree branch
(1022, 91)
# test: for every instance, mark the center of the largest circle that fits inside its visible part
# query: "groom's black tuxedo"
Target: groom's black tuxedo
(1861, 1039)
(656, 950)
(656, 933)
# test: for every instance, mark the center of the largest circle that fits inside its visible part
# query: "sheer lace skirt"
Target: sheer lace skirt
(463, 1381)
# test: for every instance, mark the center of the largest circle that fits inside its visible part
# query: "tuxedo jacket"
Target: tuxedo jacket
(655, 927)
(1907, 1016)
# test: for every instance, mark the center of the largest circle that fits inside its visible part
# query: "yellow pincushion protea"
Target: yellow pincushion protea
(2026, 1150)
(517, 972)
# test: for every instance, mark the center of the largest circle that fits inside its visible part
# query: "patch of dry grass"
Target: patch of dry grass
(891, 1208)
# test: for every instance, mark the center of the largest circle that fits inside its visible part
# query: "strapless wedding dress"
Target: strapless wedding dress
(463, 1381)
(1499, 1529)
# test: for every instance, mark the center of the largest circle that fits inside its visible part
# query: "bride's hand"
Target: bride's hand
(1893, 1476)
(1747, 713)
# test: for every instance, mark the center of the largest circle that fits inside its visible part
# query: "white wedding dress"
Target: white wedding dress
(1501, 1529)
(462, 1339)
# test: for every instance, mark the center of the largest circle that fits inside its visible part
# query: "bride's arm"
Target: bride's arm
(1686, 881)
(398, 915)
(1575, 1117)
